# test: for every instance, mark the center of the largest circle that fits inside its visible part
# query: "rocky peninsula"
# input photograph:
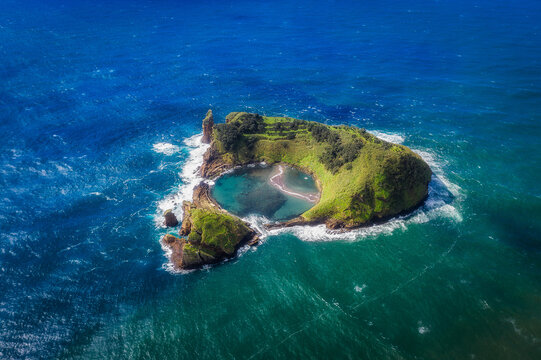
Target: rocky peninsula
(362, 180)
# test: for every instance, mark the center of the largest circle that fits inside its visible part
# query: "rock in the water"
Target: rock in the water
(208, 123)
(254, 241)
(176, 246)
(170, 218)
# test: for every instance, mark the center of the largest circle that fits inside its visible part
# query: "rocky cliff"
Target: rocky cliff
(208, 124)
(210, 234)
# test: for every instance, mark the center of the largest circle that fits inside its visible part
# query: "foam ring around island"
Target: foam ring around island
(436, 205)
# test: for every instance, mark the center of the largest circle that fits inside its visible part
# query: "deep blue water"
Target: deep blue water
(88, 88)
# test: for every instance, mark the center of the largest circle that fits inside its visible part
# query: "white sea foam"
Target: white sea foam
(321, 233)
(165, 148)
(190, 179)
(390, 137)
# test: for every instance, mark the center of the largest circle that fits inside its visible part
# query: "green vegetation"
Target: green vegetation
(215, 232)
(362, 178)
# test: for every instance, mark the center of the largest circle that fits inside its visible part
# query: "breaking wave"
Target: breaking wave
(190, 179)
(390, 137)
(165, 148)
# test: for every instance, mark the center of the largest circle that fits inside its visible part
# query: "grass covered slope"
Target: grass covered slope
(216, 231)
(362, 178)
(210, 233)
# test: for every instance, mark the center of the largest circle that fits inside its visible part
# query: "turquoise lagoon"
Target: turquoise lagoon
(248, 191)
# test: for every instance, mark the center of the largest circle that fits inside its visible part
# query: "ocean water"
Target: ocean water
(248, 191)
(100, 106)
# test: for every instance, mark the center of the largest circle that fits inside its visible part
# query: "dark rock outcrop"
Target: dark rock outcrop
(210, 234)
(208, 124)
(176, 246)
(170, 218)
(202, 198)
(186, 220)
(213, 163)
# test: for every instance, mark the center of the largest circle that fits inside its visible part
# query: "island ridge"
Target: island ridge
(362, 180)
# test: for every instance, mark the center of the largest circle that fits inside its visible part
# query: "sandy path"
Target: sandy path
(277, 180)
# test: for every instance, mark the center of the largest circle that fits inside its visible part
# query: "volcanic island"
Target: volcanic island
(361, 179)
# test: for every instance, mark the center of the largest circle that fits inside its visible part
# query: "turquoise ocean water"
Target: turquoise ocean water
(100, 106)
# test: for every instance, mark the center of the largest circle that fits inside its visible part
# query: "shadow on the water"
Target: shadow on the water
(438, 194)
(516, 222)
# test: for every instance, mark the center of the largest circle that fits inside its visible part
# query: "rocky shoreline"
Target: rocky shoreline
(209, 234)
(192, 251)
(195, 248)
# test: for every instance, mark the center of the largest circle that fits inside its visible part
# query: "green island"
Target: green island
(362, 180)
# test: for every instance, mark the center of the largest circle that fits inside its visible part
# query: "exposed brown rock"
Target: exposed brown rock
(170, 218)
(202, 198)
(254, 241)
(334, 224)
(186, 220)
(208, 123)
(213, 163)
(289, 223)
(176, 246)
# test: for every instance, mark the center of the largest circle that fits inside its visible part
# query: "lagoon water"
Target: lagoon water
(248, 191)
(100, 105)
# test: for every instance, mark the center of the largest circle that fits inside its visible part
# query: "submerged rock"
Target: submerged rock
(208, 123)
(170, 218)
(265, 203)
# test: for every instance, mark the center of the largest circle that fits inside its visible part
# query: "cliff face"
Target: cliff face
(170, 220)
(363, 180)
(211, 234)
(208, 124)
(213, 163)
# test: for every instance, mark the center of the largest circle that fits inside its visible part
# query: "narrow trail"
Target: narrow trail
(277, 180)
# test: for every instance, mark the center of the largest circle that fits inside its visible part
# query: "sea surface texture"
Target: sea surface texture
(100, 109)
